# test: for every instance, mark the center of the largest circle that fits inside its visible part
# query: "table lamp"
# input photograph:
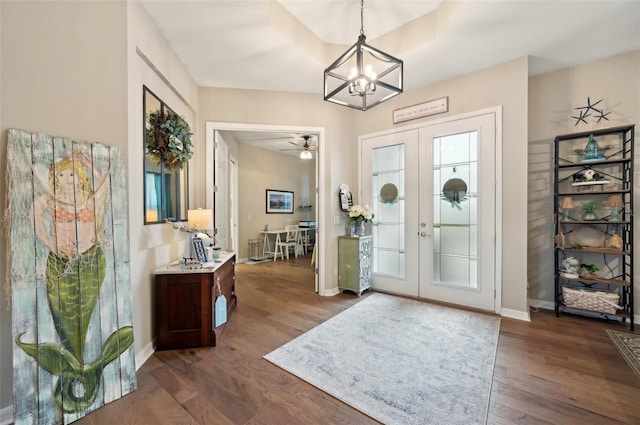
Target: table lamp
(565, 205)
(152, 216)
(615, 203)
(199, 221)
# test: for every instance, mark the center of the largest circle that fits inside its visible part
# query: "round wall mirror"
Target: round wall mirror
(388, 193)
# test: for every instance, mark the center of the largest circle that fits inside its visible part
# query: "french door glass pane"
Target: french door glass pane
(388, 228)
(455, 168)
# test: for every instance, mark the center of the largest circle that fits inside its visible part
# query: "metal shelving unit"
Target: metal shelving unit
(592, 169)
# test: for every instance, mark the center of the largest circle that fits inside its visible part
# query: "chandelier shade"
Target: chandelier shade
(363, 76)
(306, 155)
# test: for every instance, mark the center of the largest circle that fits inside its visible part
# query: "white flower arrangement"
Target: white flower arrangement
(358, 214)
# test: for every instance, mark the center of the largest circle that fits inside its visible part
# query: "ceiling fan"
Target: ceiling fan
(305, 147)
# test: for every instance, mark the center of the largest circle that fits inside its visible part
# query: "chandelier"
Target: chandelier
(363, 76)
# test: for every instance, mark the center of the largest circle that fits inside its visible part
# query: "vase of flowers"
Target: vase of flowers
(358, 217)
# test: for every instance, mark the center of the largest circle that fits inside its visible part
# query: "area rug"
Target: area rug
(628, 345)
(400, 361)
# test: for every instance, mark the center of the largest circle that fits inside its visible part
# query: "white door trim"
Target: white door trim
(497, 111)
(322, 253)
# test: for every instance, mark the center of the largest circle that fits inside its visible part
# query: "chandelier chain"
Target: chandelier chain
(361, 17)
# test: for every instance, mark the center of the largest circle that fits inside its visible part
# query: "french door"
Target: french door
(433, 190)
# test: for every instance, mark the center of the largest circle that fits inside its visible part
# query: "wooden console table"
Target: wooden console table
(185, 303)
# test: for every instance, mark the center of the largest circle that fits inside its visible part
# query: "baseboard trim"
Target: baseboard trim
(516, 314)
(144, 355)
(545, 305)
(331, 292)
(6, 415)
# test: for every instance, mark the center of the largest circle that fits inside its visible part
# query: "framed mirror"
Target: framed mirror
(165, 191)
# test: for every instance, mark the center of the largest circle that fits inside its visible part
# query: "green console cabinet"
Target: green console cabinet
(354, 263)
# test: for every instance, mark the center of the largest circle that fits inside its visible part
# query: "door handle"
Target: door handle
(425, 235)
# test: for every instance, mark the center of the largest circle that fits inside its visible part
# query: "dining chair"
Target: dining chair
(291, 241)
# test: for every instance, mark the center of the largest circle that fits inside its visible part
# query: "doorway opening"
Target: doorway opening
(272, 135)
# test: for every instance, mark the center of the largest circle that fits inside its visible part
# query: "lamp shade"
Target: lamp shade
(200, 219)
(614, 201)
(566, 203)
(306, 155)
(152, 216)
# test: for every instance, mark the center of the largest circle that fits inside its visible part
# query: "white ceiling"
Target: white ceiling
(286, 143)
(286, 45)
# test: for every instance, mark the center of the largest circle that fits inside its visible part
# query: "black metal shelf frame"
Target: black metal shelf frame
(622, 158)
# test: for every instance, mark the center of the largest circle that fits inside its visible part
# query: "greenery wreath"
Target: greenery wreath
(168, 140)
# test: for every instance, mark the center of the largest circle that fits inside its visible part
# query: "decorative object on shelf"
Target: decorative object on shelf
(588, 210)
(454, 190)
(588, 179)
(358, 216)
(600, 301)
(592, 152)
(199, 252)
(363, 76)
(569, 267)
(615, 203)
(589, 271)
(304, 205)
(588, 236)
(566, 205)
(389, 193)
(601, 149)
(168, 140)
(560, 240)
(615, 242)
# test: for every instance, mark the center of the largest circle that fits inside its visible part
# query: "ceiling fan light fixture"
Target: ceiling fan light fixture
(363, 76)
(306, 155)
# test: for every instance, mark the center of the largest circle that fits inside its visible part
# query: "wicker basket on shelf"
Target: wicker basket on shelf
(599, 301)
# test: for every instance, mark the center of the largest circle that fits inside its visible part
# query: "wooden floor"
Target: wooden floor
(549, 371)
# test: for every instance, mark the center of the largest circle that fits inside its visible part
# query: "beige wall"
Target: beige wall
(76, 70)
(293, 109)
(151, 62)
(504, 85)
(552, 99)
(260, 170)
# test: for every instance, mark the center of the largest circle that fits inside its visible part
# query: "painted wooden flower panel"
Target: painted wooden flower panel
(69, 277)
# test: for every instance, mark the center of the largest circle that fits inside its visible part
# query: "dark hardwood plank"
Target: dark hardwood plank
(549, 371)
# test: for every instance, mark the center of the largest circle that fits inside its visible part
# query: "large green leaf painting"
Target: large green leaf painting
(70, 288)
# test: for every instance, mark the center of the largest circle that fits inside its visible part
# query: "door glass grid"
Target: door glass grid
(388, 228)
(455, 225)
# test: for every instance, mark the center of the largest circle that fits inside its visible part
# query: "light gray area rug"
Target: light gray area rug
(400, 361)
(628, 345)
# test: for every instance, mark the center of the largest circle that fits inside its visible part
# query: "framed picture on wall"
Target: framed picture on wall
(279, 202)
